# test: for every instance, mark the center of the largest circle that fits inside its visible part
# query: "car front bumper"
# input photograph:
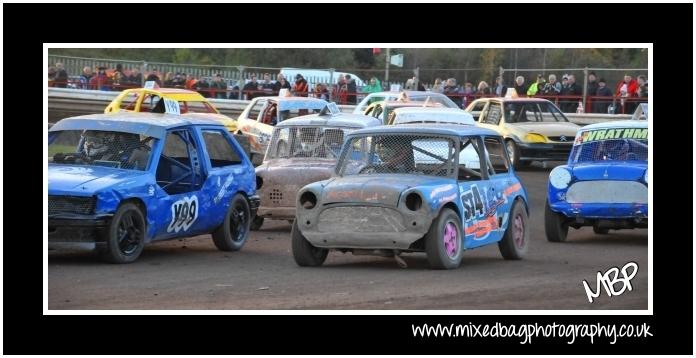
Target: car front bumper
(362, 226)
(254, 203)
(614, 215)
(544, 151)
(77, 233)
(280, 213)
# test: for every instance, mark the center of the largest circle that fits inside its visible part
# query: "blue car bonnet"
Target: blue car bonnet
(87, 180)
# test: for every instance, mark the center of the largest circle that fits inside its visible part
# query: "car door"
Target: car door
(180, 179)
(475, 190)
(249, 120)
(491, 117)
(501, 183)
(226, 169)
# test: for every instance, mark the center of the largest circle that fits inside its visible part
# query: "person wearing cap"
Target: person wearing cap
(591, 84)
(602, 105)
(300, 88)
(100, 81)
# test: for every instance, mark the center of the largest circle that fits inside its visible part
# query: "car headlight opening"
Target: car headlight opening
(559, 178)
(308, 200)
(535, 138)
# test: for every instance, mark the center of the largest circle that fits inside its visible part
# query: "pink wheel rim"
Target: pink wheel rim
(518, 231)
(451, 240)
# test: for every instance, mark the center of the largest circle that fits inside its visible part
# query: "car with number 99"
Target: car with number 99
(119, 181)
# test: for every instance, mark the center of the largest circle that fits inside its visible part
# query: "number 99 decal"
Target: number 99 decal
(184, 214)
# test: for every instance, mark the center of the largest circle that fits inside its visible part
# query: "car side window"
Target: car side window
(497, 161)
(220, 150)
(470, 159)
(256, 109)
(129, 101)
(477, 109)
(178, 170)
(493, 114)
(377, 112)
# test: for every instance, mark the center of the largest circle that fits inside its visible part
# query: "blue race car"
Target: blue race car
(439, 189)
(119, 181)
(604, 184)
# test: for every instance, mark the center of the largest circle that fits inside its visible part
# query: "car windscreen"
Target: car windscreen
(437, 98)
(521, 112)
(306, 142)
(196, 107)
(100, 148)
(398, 154)
(619, 144)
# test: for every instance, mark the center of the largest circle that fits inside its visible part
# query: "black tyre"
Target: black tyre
(600, 231)
(256, 223)
(514, 154)
(125, 235)
(444, 241)
(515, 241)
(304, 253)
(234, 231)
(555, 225)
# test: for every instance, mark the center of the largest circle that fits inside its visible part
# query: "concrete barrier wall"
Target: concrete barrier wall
(64, 103)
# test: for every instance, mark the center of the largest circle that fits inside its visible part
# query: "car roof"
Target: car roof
(409, 93)
(397, 103)
(430, 129)
(617, 124)
(174, 93)
(519, 99)
(147, 124)
(290, 103)
(429, 114)
(339, 120)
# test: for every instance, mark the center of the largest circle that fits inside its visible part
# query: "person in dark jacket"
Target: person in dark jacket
(61, 79)
(592, 84)
(352, 89)
(573, 89)
(154, 77)
(281, 83)
(521, 87)
(250, 90)
(202, 87)
(601, 105)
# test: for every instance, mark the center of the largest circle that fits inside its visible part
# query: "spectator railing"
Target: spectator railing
(595, 104)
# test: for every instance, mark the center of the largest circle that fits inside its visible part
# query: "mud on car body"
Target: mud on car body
(303, 150)
(605, 182)
(439, 189)
(119, 181)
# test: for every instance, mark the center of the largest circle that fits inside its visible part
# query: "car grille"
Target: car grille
(58, 204)
(607, 191)
(360, 219)
(568, 139)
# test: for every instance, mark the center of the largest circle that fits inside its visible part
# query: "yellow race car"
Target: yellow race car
(533, 128)
(148, 100)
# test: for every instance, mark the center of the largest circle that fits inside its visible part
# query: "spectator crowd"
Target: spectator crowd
(567, 93)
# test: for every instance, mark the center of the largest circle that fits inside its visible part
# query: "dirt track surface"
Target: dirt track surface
(192, 274)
